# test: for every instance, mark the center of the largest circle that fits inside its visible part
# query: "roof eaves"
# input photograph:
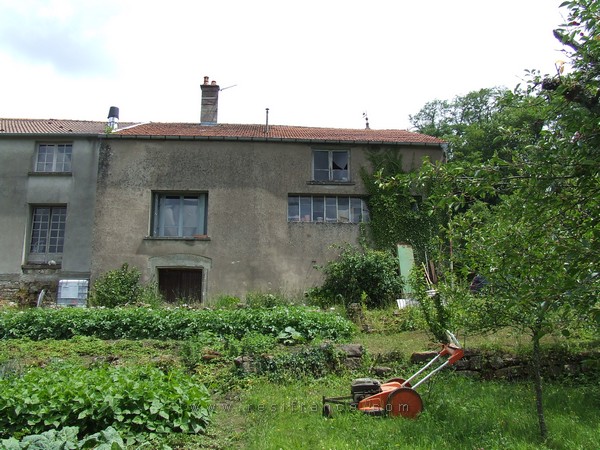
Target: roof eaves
(271, 139)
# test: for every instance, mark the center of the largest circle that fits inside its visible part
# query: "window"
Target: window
(330, 165)
(179, 215)
(331, 209)
(47, 233)
(54, 158)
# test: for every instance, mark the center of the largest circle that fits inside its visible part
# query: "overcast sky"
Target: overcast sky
(312, 62)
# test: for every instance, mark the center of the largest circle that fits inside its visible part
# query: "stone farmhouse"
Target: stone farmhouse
(201, 209)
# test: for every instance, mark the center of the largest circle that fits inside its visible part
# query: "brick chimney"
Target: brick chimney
(210, 102)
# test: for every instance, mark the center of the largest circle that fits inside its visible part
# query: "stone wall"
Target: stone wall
(503, 366)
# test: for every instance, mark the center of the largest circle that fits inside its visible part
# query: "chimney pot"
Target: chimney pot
(113, 118)
(205, 80)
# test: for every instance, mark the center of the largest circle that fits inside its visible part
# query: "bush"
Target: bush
(117, 287)
(369, 275)
(177, 324)
(132, 400)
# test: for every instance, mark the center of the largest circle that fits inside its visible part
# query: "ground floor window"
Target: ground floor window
(47, 233)
(330, 209)
(180, 285)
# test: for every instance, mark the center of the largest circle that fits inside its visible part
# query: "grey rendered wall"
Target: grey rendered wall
(251, 245)
(22, 188)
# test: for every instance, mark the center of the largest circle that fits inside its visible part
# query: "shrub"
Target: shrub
(132, 400)
(371, 275)
(117, 287)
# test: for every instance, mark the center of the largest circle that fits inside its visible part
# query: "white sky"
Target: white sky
(315, 63)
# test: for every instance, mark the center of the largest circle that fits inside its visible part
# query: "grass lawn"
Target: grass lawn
(458, 413)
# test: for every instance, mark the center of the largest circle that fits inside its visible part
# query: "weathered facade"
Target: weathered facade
(201, 209)
(48, 188)
(273, 202)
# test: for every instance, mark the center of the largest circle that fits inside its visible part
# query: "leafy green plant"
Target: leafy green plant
(117, 287)
(67, 438)
(254, 343)
(176, 323)
(132, 400)
(368, 275)
(290, 336)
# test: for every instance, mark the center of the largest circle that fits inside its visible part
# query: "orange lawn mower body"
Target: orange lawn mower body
(395, 397)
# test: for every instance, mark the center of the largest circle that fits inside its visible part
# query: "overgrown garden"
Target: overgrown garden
(516, 204)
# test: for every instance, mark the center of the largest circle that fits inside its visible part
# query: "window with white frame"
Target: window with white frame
(47, 233)
(326, 208)
(54, 157)
(179, 215)
(331, 165)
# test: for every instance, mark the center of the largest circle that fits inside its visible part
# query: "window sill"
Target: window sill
(41, 266)
(325, 222)
(199, 237)
(331, 183)
(50, 174)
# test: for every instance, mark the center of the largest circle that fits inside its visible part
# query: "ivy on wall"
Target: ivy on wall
(394, 211)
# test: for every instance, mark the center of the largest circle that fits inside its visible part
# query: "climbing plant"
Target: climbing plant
(395, 212)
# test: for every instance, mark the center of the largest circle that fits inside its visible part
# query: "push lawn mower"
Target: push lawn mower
(395, 397)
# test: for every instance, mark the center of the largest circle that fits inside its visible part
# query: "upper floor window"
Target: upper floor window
(179, 215)
(54, 158)
(47, 233)
(331, 165)
(331, 209)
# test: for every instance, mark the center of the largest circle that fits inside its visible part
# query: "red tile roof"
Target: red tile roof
(275, 132)
(215, 132)
(52, 126)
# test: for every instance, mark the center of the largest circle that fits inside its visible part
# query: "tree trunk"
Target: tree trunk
(537, 380)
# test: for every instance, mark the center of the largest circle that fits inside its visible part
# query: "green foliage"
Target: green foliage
(178, 324)
(135, 401)
(227, 302)
(435, 312)
(368, 275)
(150, 296)
(309, 362)
(289, 336)
(193, 349)
(525, 217)
(66, 438)
(117, 287)
(265, 300)
(254, 343)
(395, 211)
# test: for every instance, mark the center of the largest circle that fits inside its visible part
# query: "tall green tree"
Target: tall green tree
(527, 216)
